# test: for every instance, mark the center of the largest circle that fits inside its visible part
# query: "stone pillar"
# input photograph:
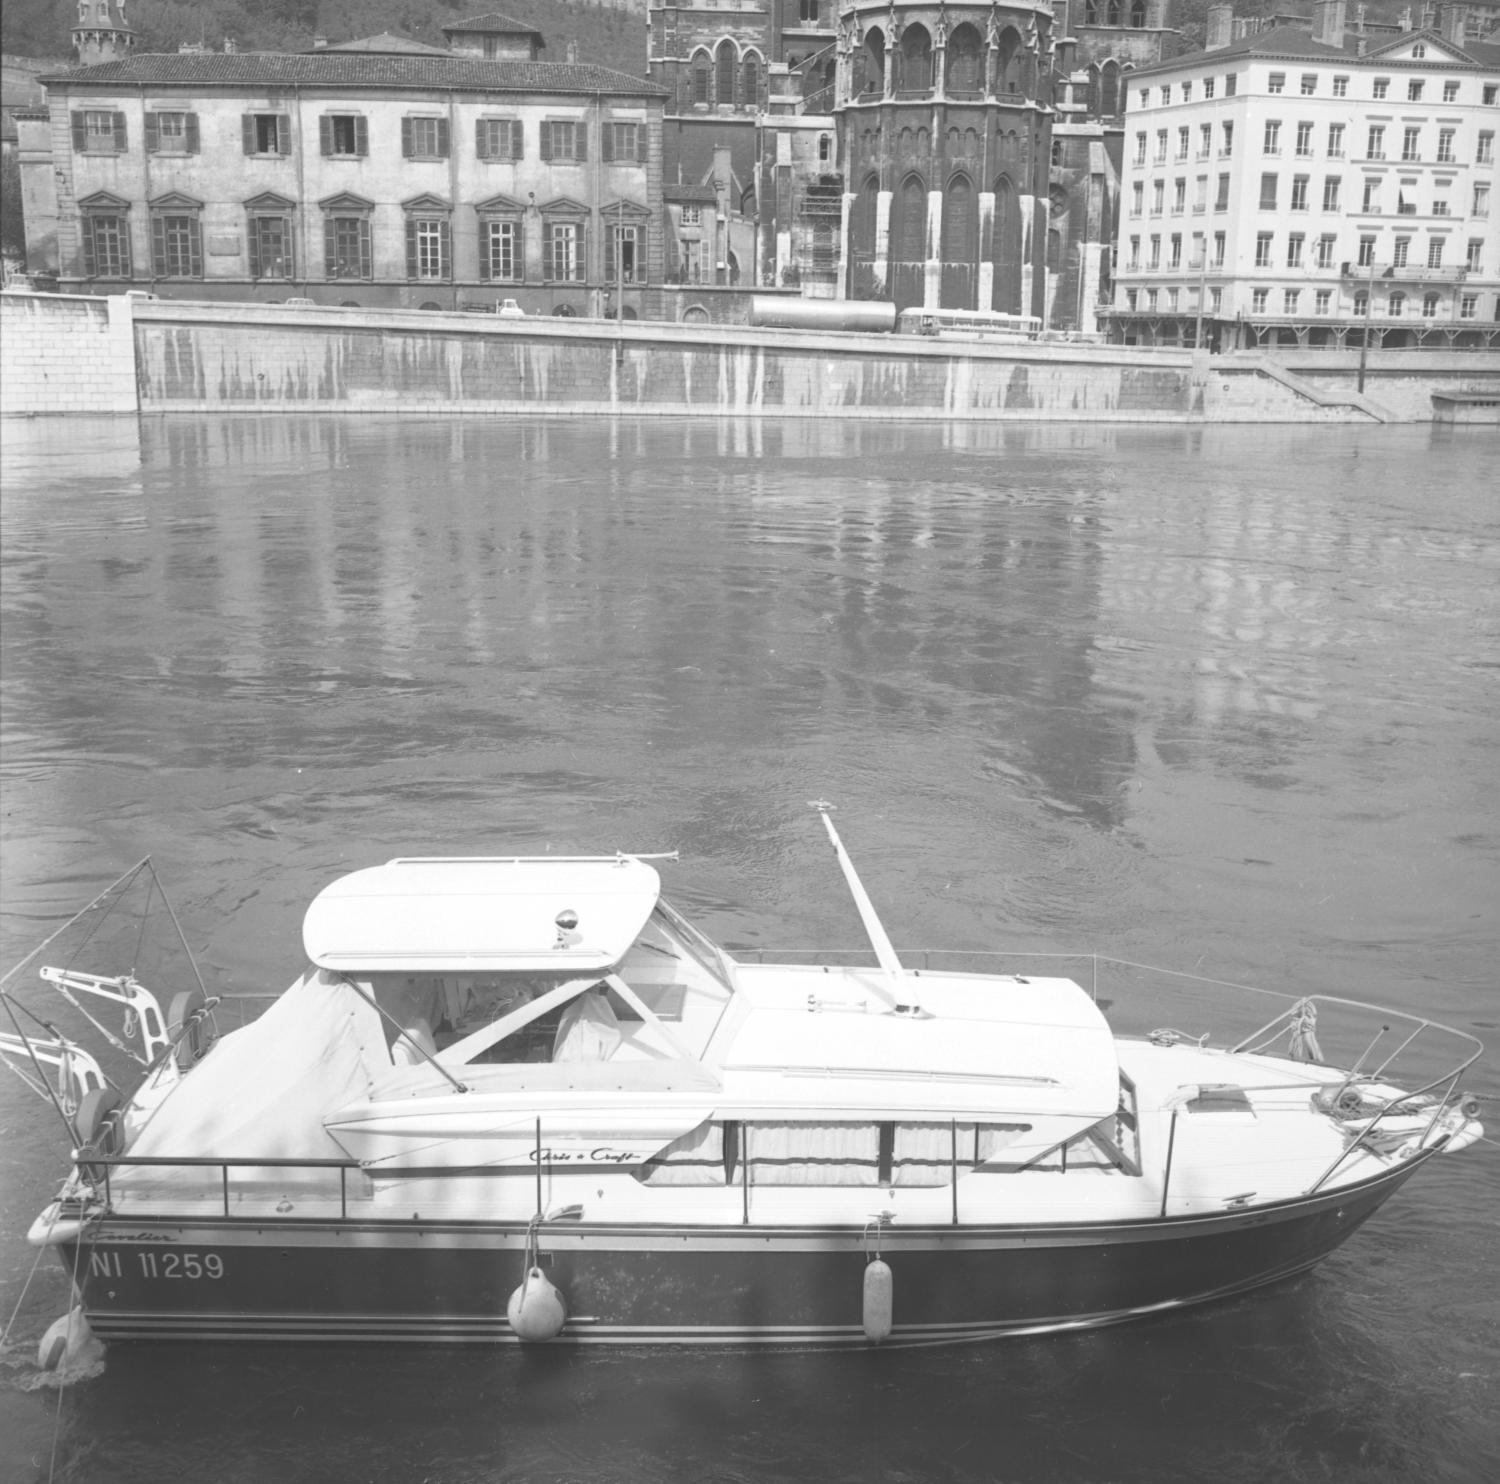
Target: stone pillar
(846, 211)
(932, 269)
(986, 275)
(882, 239)
(1033, 274)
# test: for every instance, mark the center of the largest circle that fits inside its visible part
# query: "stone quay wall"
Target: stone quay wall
(73, 354)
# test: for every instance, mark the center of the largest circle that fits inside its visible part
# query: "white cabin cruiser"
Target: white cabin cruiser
(524, 1099)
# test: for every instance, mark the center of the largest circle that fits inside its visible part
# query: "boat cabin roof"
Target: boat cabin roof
(530, 915)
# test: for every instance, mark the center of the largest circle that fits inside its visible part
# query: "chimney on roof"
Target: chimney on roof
(1328, 22)
(1220, 27)
(1453, 22)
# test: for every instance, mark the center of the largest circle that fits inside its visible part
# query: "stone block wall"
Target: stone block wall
(64, 353)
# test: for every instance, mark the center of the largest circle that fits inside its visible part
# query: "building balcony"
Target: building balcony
(1388, 273)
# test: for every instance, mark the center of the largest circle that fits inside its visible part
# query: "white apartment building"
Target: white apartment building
(1312, 188)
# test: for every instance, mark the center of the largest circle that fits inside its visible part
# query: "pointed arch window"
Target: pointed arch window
(724, 69)
(916, 60)
(965, 61)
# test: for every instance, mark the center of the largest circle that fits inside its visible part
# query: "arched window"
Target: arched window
(874, 61)
(700, 78)
(909, 234)
(1005, 291)
(750, 80)
(1091, 12)
(916, 60)
(1112, 13)
(1429, 306)
(1008, 62)
(1138, 14)
(1109, 89)
(965, 60)
(724, 60)
(825, 148)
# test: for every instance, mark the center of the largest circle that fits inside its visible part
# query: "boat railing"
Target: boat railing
(98, 1170)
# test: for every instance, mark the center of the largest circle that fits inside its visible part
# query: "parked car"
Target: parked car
(509, 309)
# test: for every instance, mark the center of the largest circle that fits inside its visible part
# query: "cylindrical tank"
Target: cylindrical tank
(787, 313)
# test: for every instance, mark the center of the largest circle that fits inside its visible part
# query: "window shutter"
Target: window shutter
(361, 135)
(288, 249)
(546, 143)
(247, 132)
(366, 261)
(406, 144)
(80, 132)
(640, 144)
(517, 140)
(546, 247)
(607, 143)
(581, 140)
(195, 244)
(411, 248)
(442, 133)
(121, 142)
(330, 249)
(482, 139)
(283, 134)
(486, 237)
(153, 134)
(445, 242)
(192, 133)
(325, 135)
(159, 246)
(254, 236)
(90, 266)
(610, 234)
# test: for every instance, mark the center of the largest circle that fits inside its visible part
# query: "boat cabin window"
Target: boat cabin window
(727, 1152)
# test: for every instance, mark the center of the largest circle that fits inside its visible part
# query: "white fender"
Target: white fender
(536, 1309)
(66, 1342)
(879, 1296)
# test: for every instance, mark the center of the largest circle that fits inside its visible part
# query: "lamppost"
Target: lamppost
(1364, 342)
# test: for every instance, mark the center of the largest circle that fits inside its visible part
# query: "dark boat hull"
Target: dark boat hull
(435, 1282)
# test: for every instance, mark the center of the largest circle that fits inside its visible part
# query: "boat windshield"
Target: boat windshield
(662, 1000)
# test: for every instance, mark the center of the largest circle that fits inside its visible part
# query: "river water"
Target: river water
(1219, 698)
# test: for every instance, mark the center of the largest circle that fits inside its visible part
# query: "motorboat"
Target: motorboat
(524, 1099)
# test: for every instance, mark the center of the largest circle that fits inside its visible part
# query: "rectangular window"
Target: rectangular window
(1289, 300)
(1131, 299)
(562, 252)
(1435, 251)
(1140, 149)
(1183, 135)
(1468, 306)
(1450, 91)
(1175, 260)
(344, 134)
(1227, 136)
(1475, 254)
(106, 246)
(1294, 250)
(1151, 298)
(1375, 144)
(624, 143)
(1341, 87)
(500, 251)
(1276, 83)
(99, 131)
(1440, 206)
(1215, 300)
(1325, 250)
(346, 247)
(1221, 201)
(623, 259)
(1166, 94)
(427, 248)
(1485, 153)
(1491, 92)
(1230, 84)
(1172, 298)
(498, 139)
(1335, 141)
(266, 133)
(1399, 252)
(1200, 195)
(424, 138)
(171, 133)
(1208, 87)
(1414, 90)
(1135, 254)
(1481, 201)
(1371, 202)
(1187, 92)
(1331, 187)
(1205, 141)
(1258, 301)
(1271, 144)
(1299, 192)
(1268, 191)
(270, 242)
(564, 139)
(1445, 146)
(1309, 84)
(176, 247)
(1161, 146)
(1411, 144)
(1322, 301)
(692, 216)
(1263, 249)
(1179, 197)
(1155, 261)
(1137, 200)
(1304, 138)
(1158, 197)
(1381, 88)
(1366, 251)
(1220, 243)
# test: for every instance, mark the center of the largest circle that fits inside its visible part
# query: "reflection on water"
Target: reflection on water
(1211, 696)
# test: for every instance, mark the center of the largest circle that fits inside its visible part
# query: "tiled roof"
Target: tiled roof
(492, 23)
(1295, 43)
(352, 70)
(688, 193)
(386, 44)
